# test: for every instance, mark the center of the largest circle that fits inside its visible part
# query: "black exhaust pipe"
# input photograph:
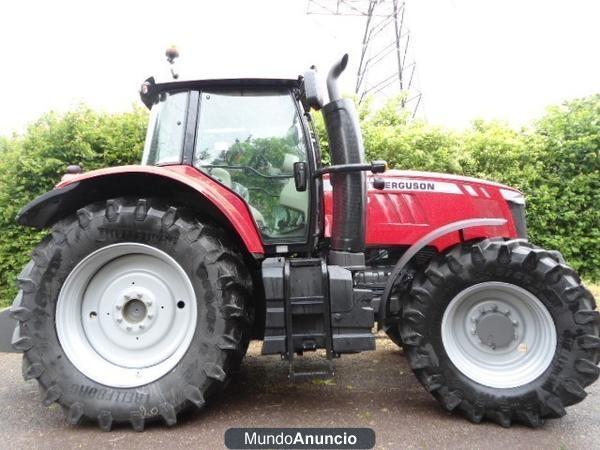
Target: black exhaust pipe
(349, 189)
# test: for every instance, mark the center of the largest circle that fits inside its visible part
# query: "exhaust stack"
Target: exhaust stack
(349, 189)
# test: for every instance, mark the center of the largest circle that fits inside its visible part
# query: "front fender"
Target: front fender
(183, 184)
(421, 243)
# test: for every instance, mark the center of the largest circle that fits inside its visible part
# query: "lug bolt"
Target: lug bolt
(119, 319)
(473, 330)
(494, 307)
(127, 297)
(128, 328)
(473, 319)
(150, 316)
(118, 307)
(141, 326)
(515, 323)
(149, 303)
(139, 295)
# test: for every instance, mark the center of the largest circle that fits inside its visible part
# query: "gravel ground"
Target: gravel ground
(373, 389)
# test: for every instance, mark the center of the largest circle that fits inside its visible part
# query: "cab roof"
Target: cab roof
(153, 88)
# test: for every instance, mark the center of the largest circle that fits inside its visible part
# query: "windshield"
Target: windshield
(164, 139)
(249, 140)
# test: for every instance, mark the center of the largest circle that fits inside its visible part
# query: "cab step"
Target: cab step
(307, 313)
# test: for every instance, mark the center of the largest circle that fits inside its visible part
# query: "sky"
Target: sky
(492, 59)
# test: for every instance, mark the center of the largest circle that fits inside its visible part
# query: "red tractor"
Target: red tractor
(142, 299)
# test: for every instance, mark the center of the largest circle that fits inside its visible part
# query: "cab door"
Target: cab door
(249, 139)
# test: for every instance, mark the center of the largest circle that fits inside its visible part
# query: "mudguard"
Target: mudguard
(76, 191)
(437, 233)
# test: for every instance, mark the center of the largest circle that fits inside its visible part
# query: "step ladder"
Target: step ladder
(307, 314)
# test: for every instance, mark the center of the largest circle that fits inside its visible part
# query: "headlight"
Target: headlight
(513, 196)
(516, 203)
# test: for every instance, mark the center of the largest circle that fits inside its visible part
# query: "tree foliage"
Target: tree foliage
(32, 163)
(556, 162)
(565, 194)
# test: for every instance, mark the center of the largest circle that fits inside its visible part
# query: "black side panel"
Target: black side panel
(518, 214)
(307, 306)
(298, 315)
(272, 275)
(352, 316)
(313, 309)
(350, 189)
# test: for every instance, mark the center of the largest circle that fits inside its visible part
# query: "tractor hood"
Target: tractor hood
(446, 177)
(413, 203)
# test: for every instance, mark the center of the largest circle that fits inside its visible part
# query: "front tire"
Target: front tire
(502, 330)
(132, 311)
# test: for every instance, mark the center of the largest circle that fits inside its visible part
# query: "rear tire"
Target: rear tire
(526, 272)
(220, 287)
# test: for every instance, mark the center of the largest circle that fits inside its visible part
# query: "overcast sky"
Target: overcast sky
(503, 59)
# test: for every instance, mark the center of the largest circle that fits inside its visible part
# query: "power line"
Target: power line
(386, 66)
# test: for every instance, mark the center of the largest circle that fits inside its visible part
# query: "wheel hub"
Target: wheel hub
(495, 328)
(498, 334)
(135, 310)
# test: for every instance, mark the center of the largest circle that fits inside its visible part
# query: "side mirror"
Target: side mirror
(300, 170)
(312, 93)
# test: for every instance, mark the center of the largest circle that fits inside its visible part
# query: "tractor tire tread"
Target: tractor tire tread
(232, 301)
(546, 273)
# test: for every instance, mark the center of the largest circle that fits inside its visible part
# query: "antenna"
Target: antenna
(387, 66)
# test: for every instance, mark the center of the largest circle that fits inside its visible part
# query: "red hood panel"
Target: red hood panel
(414, 203)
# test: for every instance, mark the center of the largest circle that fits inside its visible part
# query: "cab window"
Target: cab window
(249, 141)
(166, 128)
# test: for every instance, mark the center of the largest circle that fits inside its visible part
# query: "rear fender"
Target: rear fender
(184, 185)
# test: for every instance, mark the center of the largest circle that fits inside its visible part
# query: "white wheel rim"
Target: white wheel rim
(526, 332)
(126, 315)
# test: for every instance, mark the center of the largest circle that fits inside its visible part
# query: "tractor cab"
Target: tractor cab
(247, 134)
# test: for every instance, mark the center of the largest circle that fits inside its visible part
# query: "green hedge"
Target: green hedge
(555, 161)
(32, 163)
